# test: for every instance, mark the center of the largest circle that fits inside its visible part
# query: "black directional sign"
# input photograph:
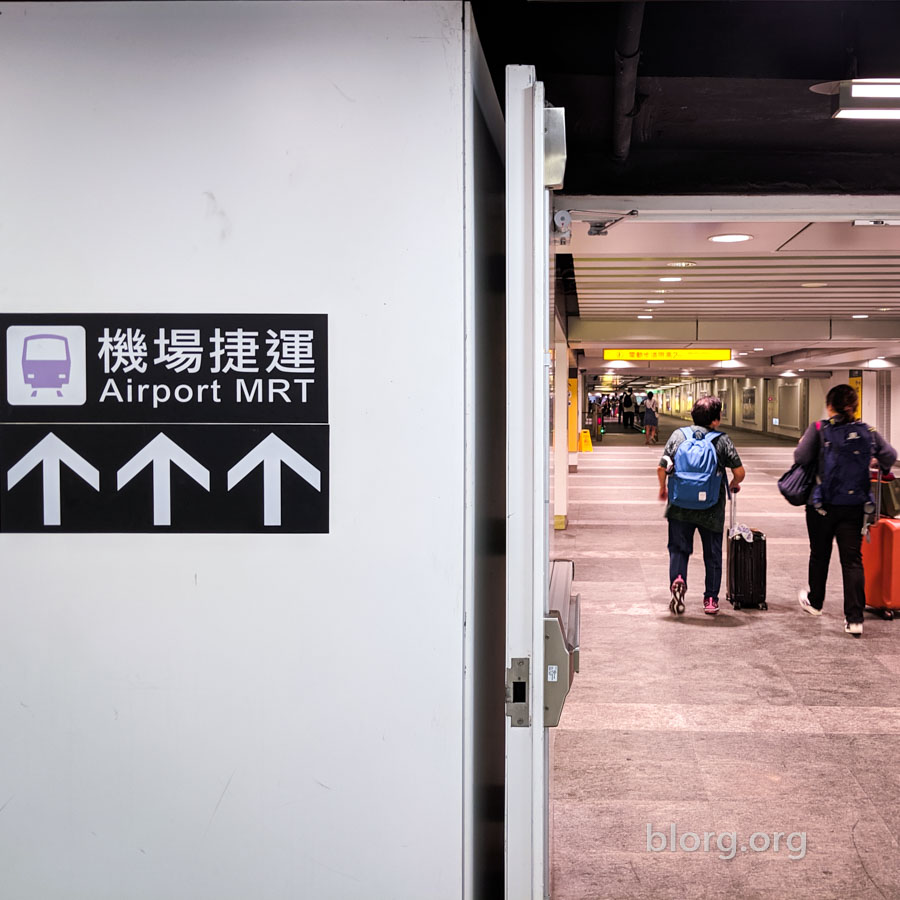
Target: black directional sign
(180, 423)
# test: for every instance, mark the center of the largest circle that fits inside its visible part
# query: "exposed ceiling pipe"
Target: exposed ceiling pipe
(628, 51)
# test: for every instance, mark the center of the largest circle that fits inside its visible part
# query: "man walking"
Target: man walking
(695, 460)
(628, 409)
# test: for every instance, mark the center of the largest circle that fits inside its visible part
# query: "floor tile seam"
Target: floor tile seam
(701, 730)
(687, 717)
(746, 495)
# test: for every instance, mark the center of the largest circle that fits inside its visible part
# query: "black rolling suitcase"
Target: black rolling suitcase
(746, 567)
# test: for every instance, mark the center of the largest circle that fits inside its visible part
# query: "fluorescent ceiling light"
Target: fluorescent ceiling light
(671, 278)
(683, 264)
(880, 363)
(861, 317)
(867, 98)
(656, 301)
(645, 317)
(759, 348)
(788, 374)
(661, 291)
(875, 87)
(730, 364)
(730, 238)
(812, 284)
(867, 114)
(742, 353)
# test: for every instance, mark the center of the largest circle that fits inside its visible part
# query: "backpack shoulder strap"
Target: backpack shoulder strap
(710, 436)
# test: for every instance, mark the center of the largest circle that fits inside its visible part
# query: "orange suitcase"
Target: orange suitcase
(881, 562)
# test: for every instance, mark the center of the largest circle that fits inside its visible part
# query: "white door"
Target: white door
(527, 869)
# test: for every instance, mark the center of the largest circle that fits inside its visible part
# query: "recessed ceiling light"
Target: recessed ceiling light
(812, 284)
(788, 374)
(645, 317)
(801, 370)
(861, 316)
(683, 264)
(671, 278)
(730, 238)
(656, 301)
(759, 348)
(880, 357)
(742, 353)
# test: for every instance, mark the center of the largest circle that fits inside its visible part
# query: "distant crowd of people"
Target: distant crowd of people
(631, 410)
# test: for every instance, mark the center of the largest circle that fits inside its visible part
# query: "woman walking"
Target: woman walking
(840, 499)
(651, 419)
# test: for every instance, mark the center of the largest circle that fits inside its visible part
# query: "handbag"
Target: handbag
(797, 483)
(890, 495)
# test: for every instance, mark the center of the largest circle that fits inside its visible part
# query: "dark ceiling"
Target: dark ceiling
(721, 103)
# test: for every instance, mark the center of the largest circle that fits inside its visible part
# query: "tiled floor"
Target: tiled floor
(730, 729)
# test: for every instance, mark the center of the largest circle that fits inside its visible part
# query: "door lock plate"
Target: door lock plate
(518, 682)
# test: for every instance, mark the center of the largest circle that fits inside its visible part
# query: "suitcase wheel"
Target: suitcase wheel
(764, 605)
(887, 614)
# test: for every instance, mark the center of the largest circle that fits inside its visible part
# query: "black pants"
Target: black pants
(628, 418)
(844, 524)
(681, 546)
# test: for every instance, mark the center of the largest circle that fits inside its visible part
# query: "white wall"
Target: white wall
(818, 390)
(894, 436)
(869, 411)
(230, 716)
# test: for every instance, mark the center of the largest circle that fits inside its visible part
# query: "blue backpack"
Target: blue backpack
(697, 478)
(844, 465)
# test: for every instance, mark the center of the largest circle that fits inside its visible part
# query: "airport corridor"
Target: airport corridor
(723, 730)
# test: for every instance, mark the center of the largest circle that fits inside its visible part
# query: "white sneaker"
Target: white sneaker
(805, 605)
(854, 628)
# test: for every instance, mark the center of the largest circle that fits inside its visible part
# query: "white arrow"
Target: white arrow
(272, 452)
(51, 451)
(162, 452)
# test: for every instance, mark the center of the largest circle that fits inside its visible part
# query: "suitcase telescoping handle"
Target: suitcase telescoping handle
(732, 495)
(866, 524)
(878, 495)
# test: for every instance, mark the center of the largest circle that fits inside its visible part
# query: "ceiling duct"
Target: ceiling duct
(628, 51)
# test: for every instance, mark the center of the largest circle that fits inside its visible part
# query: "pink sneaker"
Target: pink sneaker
(710, 606)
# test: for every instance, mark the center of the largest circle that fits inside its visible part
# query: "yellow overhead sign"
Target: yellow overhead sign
(646, 354)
